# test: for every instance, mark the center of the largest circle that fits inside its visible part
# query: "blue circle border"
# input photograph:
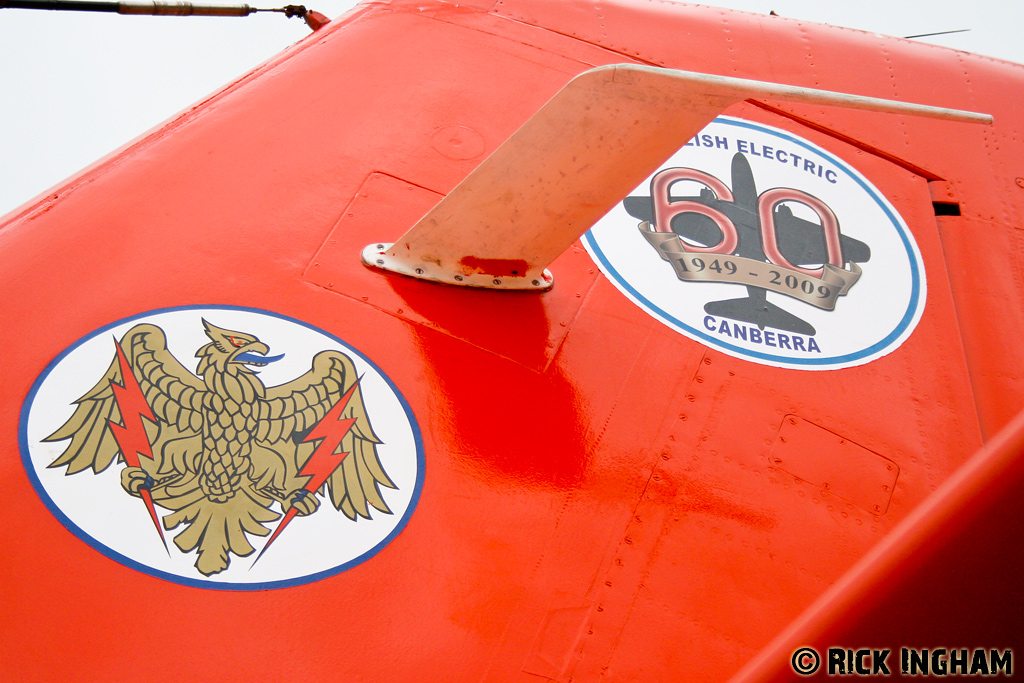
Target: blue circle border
(205, 583)
(841, 361)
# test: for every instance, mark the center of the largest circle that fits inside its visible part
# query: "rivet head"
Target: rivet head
(380, 262)
(419, 271)
(496, 281)
(536, 283)
(380, 246)
(459, 278)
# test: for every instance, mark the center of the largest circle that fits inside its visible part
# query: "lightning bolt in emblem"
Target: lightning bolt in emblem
(321, 465)
(131, 435)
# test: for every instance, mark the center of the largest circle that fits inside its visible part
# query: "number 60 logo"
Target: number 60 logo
(773, 262)
(665, 210)
(750, 227)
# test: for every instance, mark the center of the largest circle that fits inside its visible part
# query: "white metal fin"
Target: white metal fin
(571, 162)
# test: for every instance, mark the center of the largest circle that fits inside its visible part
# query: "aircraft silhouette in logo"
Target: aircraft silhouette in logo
(798, 240)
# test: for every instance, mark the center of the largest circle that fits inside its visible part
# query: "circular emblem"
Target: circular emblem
(223, 447)
(763, 245)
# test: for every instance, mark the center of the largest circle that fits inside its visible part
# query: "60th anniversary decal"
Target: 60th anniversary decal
(763, 245)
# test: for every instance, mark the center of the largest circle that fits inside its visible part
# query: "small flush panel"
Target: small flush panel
(524, 327)
(834, 464)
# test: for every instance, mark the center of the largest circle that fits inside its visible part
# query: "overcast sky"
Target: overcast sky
(78, 85)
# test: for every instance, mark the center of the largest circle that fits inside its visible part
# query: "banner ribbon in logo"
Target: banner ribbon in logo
(820, 292)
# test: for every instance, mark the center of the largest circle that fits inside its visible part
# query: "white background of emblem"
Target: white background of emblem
(100, 507)
(870, 311)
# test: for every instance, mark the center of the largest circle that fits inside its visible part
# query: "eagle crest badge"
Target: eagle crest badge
(221, 463)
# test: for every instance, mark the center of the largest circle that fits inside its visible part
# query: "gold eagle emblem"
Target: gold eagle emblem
(219, 449)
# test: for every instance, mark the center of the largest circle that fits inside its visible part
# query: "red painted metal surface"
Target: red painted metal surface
(942, 578)
(600, 500)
